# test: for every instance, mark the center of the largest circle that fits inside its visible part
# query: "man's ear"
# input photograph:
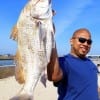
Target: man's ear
(71, 41)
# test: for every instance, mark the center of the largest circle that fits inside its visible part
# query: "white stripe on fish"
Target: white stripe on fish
(34, 33)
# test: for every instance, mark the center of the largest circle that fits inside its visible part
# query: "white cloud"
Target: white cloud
(70, 13)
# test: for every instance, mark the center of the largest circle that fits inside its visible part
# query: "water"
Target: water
(6, 62)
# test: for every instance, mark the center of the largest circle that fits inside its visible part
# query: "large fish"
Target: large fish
(34, 33)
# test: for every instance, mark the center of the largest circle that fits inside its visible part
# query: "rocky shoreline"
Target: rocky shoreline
(7, 71)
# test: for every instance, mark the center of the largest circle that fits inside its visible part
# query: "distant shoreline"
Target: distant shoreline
(6, 57)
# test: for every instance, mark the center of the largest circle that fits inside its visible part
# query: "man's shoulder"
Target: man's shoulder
(64, 56)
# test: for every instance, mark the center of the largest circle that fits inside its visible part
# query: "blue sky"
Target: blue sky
(70, 15)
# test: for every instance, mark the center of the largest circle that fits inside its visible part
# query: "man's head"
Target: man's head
(81, 42)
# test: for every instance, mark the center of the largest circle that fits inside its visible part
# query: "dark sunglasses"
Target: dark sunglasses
(83, 40)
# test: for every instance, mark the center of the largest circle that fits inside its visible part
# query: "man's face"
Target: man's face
(81, 44)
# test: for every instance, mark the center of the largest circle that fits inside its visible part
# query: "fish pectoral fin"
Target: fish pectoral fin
(14, 33)
(19, 75)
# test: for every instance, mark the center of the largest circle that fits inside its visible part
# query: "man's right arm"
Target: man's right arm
(54, 71)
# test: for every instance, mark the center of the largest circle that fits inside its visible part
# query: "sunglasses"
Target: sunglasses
(83, 40)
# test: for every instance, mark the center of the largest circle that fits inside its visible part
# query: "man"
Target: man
(74, 74)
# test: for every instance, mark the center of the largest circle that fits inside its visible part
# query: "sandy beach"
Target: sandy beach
(9, 88)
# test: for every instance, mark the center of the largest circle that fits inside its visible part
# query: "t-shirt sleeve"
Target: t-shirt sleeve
(62, 65)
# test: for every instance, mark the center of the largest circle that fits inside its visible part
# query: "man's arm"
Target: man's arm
(54, 71)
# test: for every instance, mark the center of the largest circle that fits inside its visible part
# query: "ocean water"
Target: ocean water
(6, 62)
